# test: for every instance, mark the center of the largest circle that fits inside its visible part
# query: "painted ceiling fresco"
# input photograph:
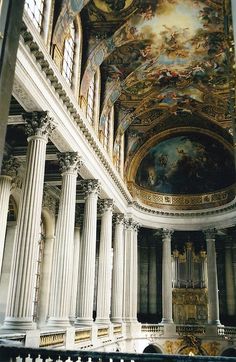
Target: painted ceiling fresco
(163, 63)
(186, 164)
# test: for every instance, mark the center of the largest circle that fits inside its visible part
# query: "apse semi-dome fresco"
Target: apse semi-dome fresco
(186, 164)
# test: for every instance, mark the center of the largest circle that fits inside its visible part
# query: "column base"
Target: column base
(166, 321)
(117, 320)
(103, 321)
(83, 321)
(23, 324)
(58, 322)
(214, 323)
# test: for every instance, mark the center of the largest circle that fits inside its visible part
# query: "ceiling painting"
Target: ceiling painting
(110, 6)
(165, 65)
(186, 164)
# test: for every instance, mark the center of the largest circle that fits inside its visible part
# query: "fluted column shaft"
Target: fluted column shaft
(75, 277)
(130, 272)
(5, 190)
(59, 309)
(229, 278)
(19, 305)
(166, 278)
(118, 270)
(135, 273)
(213, 298)
(88, 255)
(105, 264)
(8, 172)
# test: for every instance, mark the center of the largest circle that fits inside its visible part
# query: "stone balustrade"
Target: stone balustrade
(14, 354)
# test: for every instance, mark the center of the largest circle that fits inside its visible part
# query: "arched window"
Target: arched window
(93, 100)
(69, 54)
(35, 9)
(106, 134)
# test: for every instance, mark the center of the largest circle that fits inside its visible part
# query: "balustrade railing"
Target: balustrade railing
(152, 328)
(18, 354)
(226, 331)
(190, 329)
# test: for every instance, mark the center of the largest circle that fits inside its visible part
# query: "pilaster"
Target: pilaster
(9, 170)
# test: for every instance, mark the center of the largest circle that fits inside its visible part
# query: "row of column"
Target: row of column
(124, 291)
(65, 284)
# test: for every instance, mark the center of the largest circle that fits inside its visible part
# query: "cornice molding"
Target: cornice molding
(39, 51)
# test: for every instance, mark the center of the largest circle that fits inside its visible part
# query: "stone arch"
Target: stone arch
(152, 348)
(229, 352)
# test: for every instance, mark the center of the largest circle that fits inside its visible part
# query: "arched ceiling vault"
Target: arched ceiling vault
(162, 62)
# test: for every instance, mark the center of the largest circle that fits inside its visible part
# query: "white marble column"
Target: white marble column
(59, 306)
(76, 264)
(166, 278)
(20, 297)
(118, 270)
(213, 298)
(9, 168)
(88, 254)
(230, 290)
(105, 264)
(130, 272)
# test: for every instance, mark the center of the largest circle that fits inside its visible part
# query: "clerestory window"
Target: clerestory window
(35, 9)
(69, 55)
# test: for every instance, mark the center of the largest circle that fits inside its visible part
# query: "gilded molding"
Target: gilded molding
(182, 202)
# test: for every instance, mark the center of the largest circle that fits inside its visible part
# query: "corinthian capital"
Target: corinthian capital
(69, 162)
(38, 124)
(118, 219)
(166, 233)
(10, 166)
(90, 187)
(210, 234)
(131, 224)
(106, 205)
